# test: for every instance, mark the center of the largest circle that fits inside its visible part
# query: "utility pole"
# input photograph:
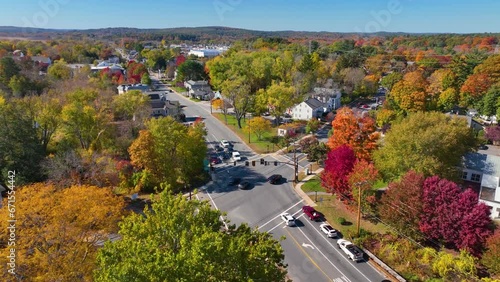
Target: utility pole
(295, 165)
(359, 184)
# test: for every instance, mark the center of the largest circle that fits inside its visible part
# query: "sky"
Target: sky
(416, 16)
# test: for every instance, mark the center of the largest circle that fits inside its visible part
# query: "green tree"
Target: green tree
(170, 151)
(448, 99)
(8, 69)
(428, 143)
(191, 70)
(86, 119)
(21, 149)
(132, 105)
(490, 103)
(389, 80)
(145, 79)
(313, 125)
(277, 99)
(182, 240)
(258, 126)
(59, 70)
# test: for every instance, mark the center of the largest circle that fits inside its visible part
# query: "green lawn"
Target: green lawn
(260, 146)
(313, 185)
(334, 209)
(178, 89)
(379, 184)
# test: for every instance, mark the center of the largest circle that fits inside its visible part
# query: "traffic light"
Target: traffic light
(261, 161)
(246, 163)
(253, 163)
(275, 163)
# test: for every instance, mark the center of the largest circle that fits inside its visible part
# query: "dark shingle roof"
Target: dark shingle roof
(314, 103)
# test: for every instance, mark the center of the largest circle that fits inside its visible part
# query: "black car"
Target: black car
(218, 148)
(226, 156)
(234, 181)
(244, 185)
(275, 179)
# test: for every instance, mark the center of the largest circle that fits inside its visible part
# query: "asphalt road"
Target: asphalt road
(309, 254)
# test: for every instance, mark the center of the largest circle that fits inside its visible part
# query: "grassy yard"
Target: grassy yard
(260, 146)
(379, 184)
(178, 89)
(313, 185)
(334, 209)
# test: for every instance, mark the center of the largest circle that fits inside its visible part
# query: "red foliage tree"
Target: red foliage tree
(401, 204)
(454, 217)
(493, 134)
(179, 60)
(338, 165)
(135, 72)
(491, 257)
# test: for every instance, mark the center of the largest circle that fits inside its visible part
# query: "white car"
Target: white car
(288, 219)
(328, 230)
(236, 156)
(224, 143)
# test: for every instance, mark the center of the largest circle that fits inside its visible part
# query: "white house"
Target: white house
(310, 108)
(329, 97)
(485, 169)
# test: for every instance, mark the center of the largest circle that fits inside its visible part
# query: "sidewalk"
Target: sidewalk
(301, 193)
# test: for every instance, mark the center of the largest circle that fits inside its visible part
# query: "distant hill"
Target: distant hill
(180, 33)
(194, 34)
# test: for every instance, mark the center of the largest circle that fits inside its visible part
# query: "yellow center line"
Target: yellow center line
(307, 255)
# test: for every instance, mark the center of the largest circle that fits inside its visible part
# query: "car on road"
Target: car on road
(275, 179)
(218, 148)
(311, 213)
(288, 219)
(352, 251)
(224, 143)
(236, 156)
(215, 160)
(234, 181)
(244, 185)
(328, 230)
(226, 156)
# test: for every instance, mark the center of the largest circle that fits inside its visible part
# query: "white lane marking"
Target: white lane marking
(307, 246)
(340, 253)
(215, 206)
(310, 241)
(269, 231)
(279, 215)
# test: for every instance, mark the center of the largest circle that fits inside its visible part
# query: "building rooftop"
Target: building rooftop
(314, 103)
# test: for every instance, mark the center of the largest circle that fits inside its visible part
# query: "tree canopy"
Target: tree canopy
(182, 240)
(429, 143)
(58, 231)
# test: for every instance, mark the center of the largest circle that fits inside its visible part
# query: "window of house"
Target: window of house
(475, 177)
(464, 175)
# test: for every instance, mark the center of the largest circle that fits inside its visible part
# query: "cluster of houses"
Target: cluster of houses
(160, 106)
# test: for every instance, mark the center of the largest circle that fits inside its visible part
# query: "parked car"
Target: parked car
(244, 185)
(275, 179)
(311, 213)
(328, 230)
(224, 143)
(353, 252)
(288, 219)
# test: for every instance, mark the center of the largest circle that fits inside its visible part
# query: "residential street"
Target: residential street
(310, 255)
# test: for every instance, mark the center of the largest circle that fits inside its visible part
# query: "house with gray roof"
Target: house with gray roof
(310, 108)
(485, 169)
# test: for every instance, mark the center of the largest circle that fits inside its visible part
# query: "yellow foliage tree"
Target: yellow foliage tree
(258, 126)
(58, 232)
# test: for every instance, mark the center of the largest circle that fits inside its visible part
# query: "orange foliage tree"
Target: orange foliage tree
(361, 179)
(410, 93)
(356, 132)
(58, 231)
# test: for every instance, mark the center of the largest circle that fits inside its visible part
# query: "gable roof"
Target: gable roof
(314, 103)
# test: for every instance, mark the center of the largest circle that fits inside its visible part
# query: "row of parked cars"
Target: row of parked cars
(352, 251)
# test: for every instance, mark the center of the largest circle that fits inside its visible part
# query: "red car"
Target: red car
(311, 213)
